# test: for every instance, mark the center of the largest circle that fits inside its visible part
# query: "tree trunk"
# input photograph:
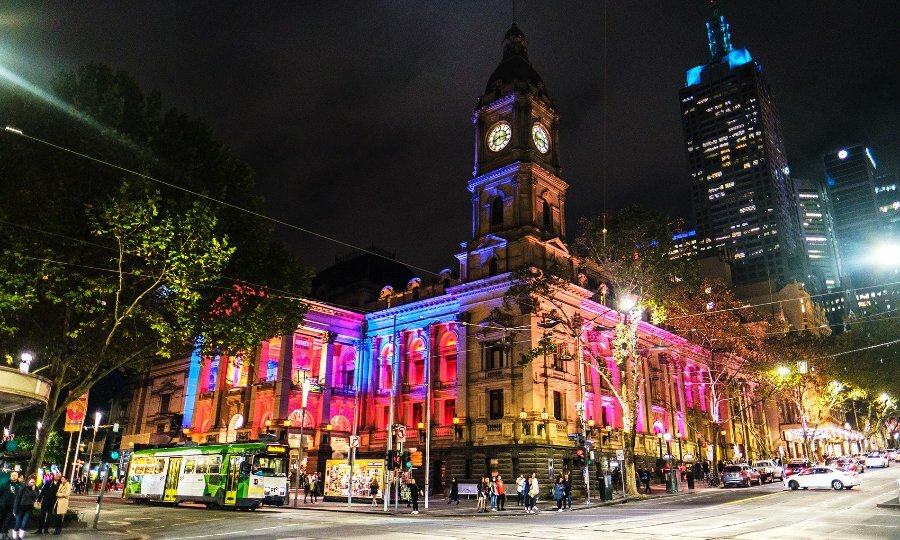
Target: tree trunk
(48, 420)
(631, 489)
(714, 465)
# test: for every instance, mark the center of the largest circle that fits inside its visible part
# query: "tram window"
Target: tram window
(201, 465)
(215, 463)
(160, 467)
(269, 465)
(189, 464)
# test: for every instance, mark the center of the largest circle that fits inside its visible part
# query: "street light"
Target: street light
(544, 418)
(784, 371)
(97, 416)
(523, 416)
(457, 430)
(627, 302)
(304, 386)
(25, 363)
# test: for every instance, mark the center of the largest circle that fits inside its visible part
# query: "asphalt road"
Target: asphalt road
(764, 512)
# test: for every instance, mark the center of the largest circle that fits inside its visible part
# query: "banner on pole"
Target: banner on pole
(75, 413)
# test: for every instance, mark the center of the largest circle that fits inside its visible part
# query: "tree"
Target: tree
(732, 336)
(630, 258)
(100, 272)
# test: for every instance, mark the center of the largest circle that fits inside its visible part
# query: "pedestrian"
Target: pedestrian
(645, 479)
(8, 493)
(534, 491)
(62, 503)
(616, 478)
(526, 493)
(47, 498)
(479, 507)
(520, 490)
(304, 482)
(373, 489)
(315, 488)
(454, 490)
(559, 493)
(567, 492)
(486, 490)
(493, 493)
(23, 506)
(413, 494)
(501, 493)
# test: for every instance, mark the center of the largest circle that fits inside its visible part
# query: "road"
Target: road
(764, 512)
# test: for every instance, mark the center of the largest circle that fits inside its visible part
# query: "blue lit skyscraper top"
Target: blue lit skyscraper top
(742, 192)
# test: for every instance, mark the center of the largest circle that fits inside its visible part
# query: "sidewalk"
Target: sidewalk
(467, 507)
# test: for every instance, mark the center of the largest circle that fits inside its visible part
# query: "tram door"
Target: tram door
(171, 489)
(233, 479)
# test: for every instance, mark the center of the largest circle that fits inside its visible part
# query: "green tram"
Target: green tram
(239, 475)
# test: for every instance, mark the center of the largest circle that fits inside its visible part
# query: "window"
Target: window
(449, 412)
(416, 362)
(189, 465)
(214, 464)
(271, 369)
(162, 428)
(557, 405)
(493, 356)
(418, 414)
(496, 404)
(547, 214)
(497, 212)
(164, 401)
(493, 267)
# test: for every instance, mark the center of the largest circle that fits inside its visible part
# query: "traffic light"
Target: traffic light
(389, 460)
(579, 457)
(396, 460)
(111, 445)
(407, 460)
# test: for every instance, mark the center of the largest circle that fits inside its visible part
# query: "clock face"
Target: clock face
(499, 136)
(541, 138)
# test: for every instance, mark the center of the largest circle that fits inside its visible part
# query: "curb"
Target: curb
(890, 503)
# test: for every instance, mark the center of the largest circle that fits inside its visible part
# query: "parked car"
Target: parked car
(877, 459)
(894, 455)
(796, 466)
(850, 465)
(740, 475)
(768, 470)
(822, 477)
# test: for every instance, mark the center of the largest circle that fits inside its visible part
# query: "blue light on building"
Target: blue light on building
(739, 58)
(693, 75)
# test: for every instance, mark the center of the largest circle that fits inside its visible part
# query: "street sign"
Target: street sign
(401, 433)
(620, 455)
(354, 441)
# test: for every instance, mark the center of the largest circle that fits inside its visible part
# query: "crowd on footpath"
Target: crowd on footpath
(313, 486)
(18, 498)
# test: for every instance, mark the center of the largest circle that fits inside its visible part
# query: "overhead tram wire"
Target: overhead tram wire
(20, 133)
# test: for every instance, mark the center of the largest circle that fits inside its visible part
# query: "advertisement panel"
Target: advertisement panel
(337, 475)
(75, 413)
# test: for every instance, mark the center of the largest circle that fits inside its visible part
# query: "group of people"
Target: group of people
(312, 487)
(491, 491)
(527, 492)
(562, 492)
(18, 498)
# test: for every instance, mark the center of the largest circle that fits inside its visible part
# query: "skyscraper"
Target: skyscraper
(742, 192)
(887, 196)
(850, 181)
(817, 225)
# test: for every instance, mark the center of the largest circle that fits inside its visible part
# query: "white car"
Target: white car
(877, 459)
(769, 471)
(822, 477)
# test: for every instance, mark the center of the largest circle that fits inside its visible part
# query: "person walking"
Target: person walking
(373, 490)
(559, 493)
(315, 488)
(520, 490)
(8, 493)
(493, 494)
(47, 498)
(567, 492)
(63, 492)
(526, 493)
(501, 493)
(645, 479)
(454, 490)
(616, 479)
(534, 490)
(304, 483)
(23, 506)
(479, 497)
(413, 494)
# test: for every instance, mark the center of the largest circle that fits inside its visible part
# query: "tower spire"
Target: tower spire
(719, 34)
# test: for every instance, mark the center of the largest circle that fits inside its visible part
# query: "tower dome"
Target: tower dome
(515, 66)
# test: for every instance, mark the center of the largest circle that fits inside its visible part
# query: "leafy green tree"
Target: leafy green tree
(101, 272)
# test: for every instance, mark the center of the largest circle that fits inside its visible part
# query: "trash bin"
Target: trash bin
(606, 487)
(690, 481)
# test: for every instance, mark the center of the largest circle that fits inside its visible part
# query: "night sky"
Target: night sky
(357, 115)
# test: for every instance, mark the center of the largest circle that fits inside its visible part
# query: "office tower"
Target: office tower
(887, 197)
(742, 192)
(850, 183)
(817, 225)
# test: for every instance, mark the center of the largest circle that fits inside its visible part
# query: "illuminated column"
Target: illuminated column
(326, 376)
(219, 404)
(285, 378)
(462, 392)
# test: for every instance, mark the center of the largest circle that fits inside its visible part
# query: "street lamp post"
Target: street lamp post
(670, 481)
(304, 385)
(97, 416)
(544, 417)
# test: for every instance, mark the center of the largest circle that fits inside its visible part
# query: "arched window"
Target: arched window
(416, 358)
(497, 212)
(448, 351)
(493, 267)
(386, 372)
(547, 214)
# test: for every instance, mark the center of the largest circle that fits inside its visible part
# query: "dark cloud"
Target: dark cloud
(358, 115)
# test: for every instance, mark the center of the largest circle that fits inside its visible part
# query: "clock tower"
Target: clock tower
(518, 197)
